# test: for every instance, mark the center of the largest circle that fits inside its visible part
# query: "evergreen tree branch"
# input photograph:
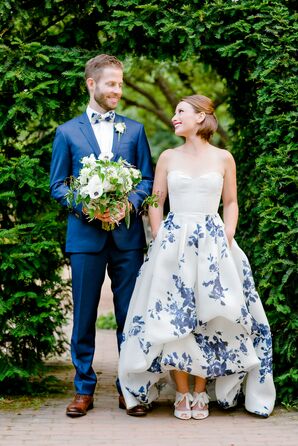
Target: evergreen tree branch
(165, 89)
(156, 111)
(143, 92)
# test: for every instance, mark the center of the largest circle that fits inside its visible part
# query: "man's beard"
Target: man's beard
(102, 102)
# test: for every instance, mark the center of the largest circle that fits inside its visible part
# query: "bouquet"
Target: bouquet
(104, 184)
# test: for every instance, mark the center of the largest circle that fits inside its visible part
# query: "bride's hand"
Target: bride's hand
(154, 231)
(230, 235)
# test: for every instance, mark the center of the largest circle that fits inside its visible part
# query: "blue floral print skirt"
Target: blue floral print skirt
(195, 309)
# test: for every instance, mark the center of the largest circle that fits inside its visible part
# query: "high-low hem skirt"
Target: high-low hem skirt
(195, 309)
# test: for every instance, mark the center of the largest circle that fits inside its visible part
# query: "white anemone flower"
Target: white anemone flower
(89, 161)
(113, 172)
(135, 173)
(95, 187)
(84, 175)
(120, 127)
(84, 191)
(128, 185)
(107, 186)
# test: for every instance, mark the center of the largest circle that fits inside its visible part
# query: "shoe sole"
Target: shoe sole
(133, 414)
(77, 415)
(181, 418)
(136, 414)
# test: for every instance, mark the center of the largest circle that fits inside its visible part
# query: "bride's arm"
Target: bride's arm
(160, 188)
(229, 197)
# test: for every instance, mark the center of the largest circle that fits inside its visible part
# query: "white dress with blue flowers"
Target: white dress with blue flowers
(195, 307)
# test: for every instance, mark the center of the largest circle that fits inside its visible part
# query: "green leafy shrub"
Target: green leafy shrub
(106, 321)
(33, 296)
(33, 302)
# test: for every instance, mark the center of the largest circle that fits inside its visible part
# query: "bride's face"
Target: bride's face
(185, 120)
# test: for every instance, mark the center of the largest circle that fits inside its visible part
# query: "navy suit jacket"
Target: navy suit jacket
(75, 139)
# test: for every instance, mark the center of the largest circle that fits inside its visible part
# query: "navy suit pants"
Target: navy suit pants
(88, 273)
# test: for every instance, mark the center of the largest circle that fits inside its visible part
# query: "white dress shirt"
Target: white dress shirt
(104, 133)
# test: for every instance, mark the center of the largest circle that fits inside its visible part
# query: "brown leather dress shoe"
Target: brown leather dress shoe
(137, 411)
(79, 406)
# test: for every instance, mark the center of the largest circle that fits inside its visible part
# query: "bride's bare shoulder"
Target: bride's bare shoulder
(224, 154)
(227, 158)
(168, 154)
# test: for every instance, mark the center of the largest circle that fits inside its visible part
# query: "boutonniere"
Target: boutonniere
(120, 128)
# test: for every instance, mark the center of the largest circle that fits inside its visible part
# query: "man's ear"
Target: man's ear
(90, 82)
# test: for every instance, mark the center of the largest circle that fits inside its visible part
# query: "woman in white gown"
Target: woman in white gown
(195, 310)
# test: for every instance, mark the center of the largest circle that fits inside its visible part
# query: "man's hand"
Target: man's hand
(105, 217)
(108, 218)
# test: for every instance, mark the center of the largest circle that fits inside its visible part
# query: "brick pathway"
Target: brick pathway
(108, 425)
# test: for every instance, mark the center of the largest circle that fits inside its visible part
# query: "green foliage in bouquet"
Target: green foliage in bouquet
(150, 201)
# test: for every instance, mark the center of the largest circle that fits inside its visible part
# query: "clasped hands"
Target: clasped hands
(107, 217)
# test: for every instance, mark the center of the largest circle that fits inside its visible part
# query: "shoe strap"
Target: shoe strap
(201, 399)
(180, 397)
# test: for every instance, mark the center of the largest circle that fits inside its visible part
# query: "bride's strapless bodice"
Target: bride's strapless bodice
(192, 194)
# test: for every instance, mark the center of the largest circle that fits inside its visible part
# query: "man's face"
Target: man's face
(106, 92)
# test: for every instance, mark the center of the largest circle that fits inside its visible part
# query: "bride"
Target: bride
(195, 310)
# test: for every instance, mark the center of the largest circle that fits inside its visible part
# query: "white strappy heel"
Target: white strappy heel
(200, 400)
(184, 414)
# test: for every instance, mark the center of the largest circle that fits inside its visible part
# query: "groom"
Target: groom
(92, 249)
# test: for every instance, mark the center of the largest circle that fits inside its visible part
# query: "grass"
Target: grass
(21, 402)
(55, 384)
(106, 322)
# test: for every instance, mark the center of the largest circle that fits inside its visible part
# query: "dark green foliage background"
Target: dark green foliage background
(250, 44)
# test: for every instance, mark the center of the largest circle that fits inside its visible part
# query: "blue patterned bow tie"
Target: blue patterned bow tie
(98, 117)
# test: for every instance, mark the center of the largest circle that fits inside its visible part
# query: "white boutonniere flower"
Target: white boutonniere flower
(120, 128)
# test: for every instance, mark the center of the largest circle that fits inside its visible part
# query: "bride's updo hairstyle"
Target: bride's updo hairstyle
(201, 103)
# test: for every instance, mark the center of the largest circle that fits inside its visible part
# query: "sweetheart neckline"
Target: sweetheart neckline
(212, 172)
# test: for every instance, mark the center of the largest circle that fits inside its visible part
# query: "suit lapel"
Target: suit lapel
(87, 131)
(116, 139)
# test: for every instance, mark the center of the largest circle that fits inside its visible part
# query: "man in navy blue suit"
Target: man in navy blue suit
(91, 248)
